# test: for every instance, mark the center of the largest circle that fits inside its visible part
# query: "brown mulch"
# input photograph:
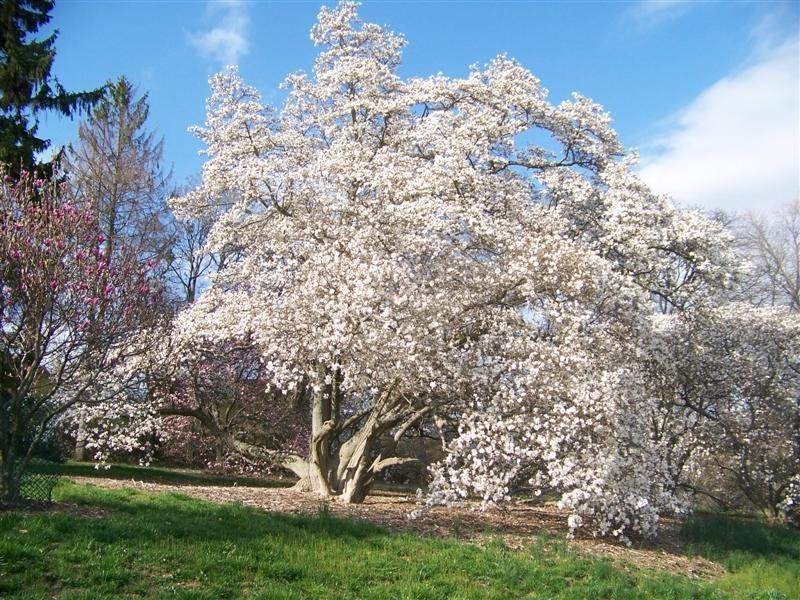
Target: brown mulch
(517, 524)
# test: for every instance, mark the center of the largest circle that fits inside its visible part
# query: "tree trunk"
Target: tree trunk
(354, 456)
(9, 475)
(10, 479)
(79, 453)
(347, 470)
(321, 429)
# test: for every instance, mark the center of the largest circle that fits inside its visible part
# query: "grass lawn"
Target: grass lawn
(153, 474)
(126, 543)
(759, 557)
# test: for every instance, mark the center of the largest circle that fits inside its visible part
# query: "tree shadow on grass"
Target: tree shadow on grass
(717, 537)
(157, 475)
(139, 516)
(151, 545)
(134, 541)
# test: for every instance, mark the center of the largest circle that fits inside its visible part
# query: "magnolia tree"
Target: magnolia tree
(66, 312)
(407, 255)
(732, 377)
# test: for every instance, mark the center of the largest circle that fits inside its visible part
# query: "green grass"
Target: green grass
(763, 560)
(154, 474)
(170, 545)
(178, 476)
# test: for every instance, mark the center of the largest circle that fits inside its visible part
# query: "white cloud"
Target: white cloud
(737, 145)
(227, 41)
(648, 14)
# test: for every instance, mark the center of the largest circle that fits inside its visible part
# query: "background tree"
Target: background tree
(116, 165)
(734, 370)
(67, 315)
(116, 168)
(223, 390)
(727, 382)
(27, 88)
(772, 244)
(191, 263)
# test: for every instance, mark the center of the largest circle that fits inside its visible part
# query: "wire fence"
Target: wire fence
(38, 480)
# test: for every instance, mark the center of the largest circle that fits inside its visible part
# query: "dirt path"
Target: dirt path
(516, 523)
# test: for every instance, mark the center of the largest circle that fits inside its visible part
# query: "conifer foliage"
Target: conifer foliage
(27, 87)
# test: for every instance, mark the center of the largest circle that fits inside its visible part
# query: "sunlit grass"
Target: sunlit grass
(170, 545)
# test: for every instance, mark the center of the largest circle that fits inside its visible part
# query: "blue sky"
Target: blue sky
(708, 92)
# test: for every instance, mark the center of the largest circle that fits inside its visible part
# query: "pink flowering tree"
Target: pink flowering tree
(66, 313)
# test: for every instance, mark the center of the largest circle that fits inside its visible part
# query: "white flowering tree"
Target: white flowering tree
(408, 255)
(732, 376)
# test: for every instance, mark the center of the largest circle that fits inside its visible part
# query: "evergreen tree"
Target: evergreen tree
(27, 87)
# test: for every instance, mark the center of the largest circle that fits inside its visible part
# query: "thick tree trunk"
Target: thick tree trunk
(356, 488)
(346, 470)
(321, 429)
(354, 456)
(354, 466)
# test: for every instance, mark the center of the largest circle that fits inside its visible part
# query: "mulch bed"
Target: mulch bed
(516, 523)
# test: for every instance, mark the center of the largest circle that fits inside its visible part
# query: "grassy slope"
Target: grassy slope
(169, 545)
